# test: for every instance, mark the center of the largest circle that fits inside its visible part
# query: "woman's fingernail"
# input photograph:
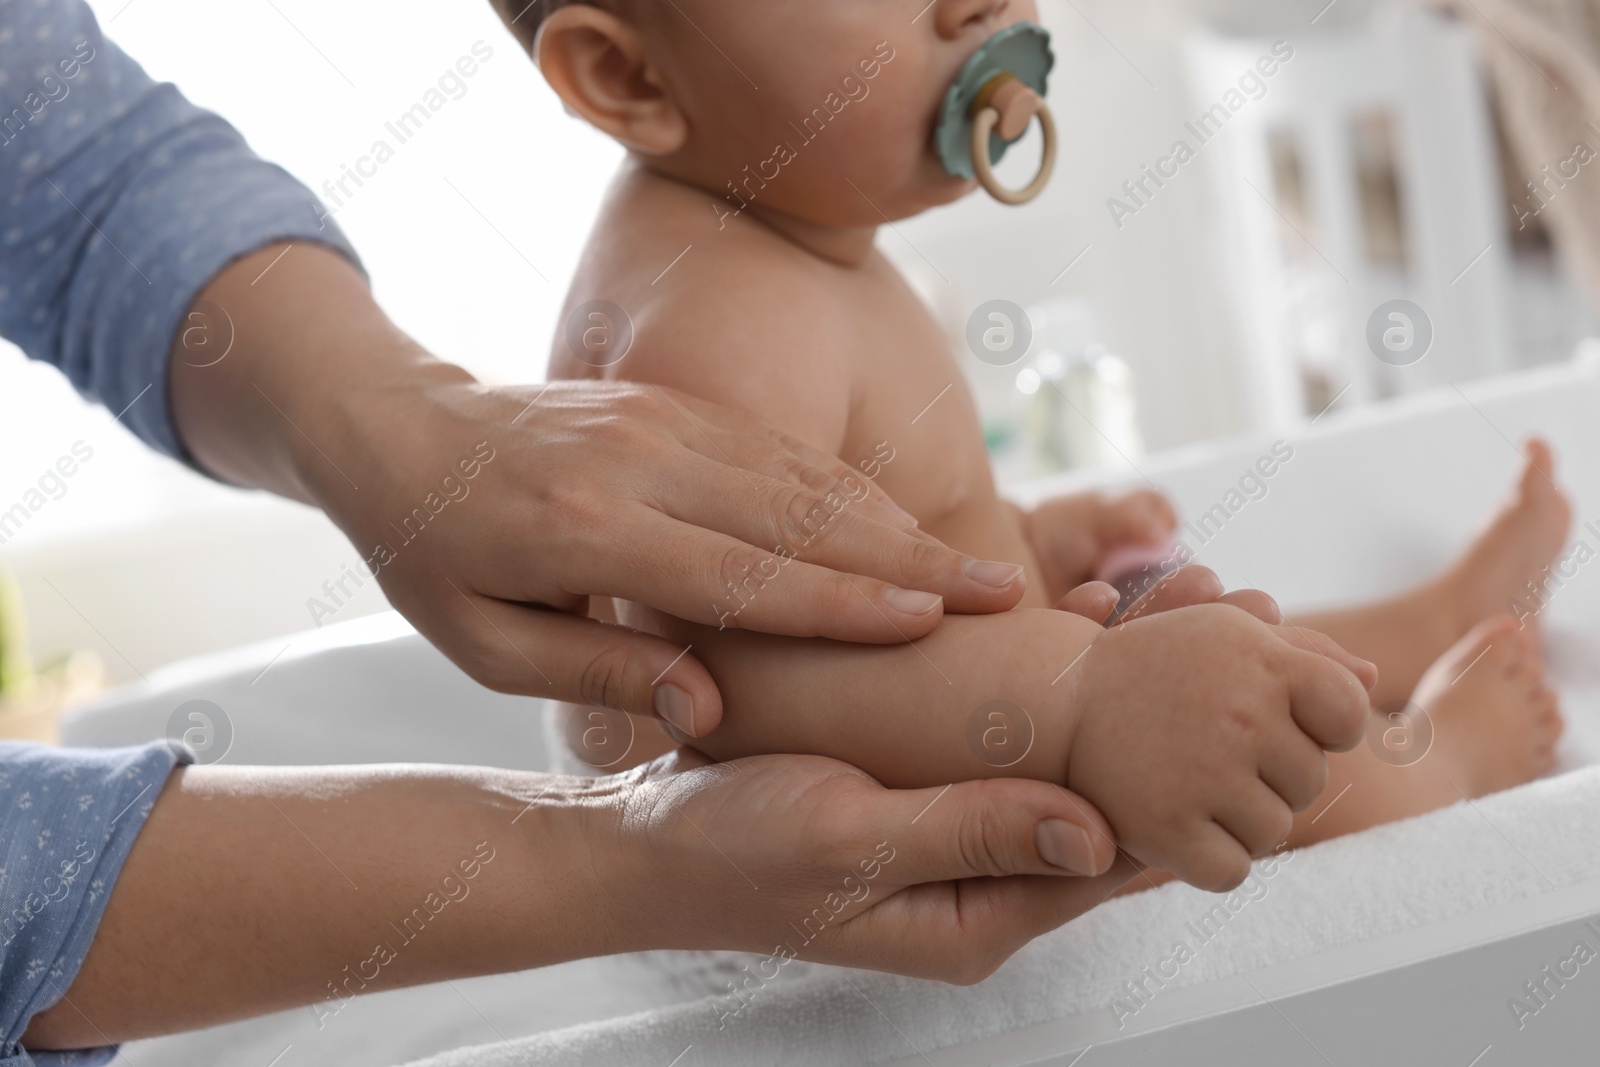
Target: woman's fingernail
(1064, 845)
(911, 601)
(995, 575)
(676, 706)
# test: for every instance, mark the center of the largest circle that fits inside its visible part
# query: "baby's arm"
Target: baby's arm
(900, 712)
(1198, 732)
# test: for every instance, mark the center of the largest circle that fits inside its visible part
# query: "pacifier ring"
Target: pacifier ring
(992, 102)
(987, 117)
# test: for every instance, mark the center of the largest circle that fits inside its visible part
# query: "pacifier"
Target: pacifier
(997, 94)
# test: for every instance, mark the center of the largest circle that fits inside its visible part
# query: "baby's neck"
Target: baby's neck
(842, 245)
(848, 247)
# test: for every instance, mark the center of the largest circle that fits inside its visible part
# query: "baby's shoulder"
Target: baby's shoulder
(730, 315)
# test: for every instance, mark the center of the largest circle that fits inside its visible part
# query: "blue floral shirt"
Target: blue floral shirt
(67, 820)
(119, 201)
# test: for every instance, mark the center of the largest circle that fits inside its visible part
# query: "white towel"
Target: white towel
(1460, 861)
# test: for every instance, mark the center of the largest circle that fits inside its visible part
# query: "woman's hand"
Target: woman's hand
(809, 858)
(331, 882)
(618, 490)
(491, 515)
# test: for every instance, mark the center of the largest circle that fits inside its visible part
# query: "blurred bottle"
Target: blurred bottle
(1082, 407)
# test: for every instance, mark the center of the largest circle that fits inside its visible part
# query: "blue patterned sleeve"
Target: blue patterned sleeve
(119, 201)
(67, 820)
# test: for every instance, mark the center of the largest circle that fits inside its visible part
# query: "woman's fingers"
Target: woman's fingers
(838, 526)
(744, 443)
(941, 883)
(812, 467)
(533, 652)
(720, 581)
(707, 577)
(962, 932)
(984, 867)
(768, 489)
(998, 827)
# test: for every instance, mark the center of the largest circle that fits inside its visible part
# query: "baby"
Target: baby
(767, 142)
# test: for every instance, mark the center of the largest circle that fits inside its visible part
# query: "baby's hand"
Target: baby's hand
(1201, 731)
(1071, 535)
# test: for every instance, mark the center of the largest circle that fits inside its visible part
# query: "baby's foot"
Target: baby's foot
(1521, 541)
(1495, 722)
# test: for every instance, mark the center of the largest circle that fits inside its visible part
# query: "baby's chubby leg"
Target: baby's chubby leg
(1197, 732)
(1404, 635)
(1489, 722)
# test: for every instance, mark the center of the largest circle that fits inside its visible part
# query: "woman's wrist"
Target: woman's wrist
(395, 411)
(274, 376)
(576, 865)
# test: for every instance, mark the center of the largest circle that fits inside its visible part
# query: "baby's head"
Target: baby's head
(822, 110)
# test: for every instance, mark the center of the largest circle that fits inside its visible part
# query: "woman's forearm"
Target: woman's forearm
(278, 366)
(253, 889)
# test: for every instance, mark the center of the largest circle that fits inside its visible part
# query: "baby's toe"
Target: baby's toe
(1549, 702)
(1526, 661)
(1541, 462)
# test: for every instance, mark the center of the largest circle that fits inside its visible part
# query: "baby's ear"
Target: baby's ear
(597, 63)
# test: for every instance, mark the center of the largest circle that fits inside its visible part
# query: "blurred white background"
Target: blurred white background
(142, 561)
(472, 231)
